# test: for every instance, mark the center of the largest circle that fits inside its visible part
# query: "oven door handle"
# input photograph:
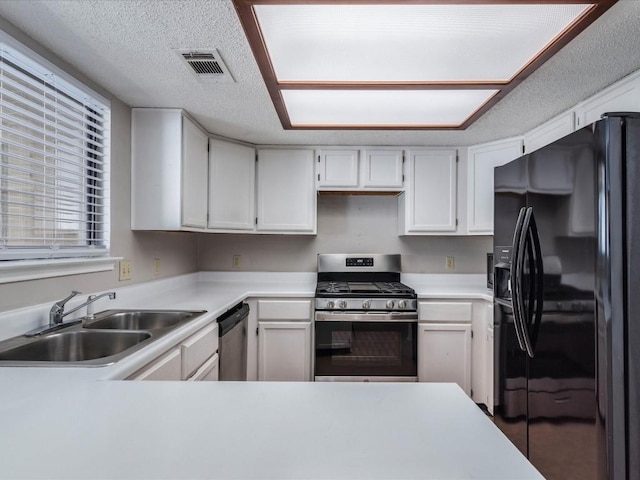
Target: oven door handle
(366, 317)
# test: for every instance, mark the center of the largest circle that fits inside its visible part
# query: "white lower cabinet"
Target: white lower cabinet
(167, 367)
(444, 342)
(284, 350)
(284, 340)
(454, 345)
(195, 358)
(208, 372)
(445, 353)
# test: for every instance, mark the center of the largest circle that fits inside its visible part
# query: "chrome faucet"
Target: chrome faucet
(57, 313)
(57, 310)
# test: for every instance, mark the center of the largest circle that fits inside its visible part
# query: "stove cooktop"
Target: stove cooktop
(364, 289)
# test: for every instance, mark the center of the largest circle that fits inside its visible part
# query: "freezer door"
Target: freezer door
(561, 382)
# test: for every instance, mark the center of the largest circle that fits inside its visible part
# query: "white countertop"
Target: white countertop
(254, 430)
(65, 423)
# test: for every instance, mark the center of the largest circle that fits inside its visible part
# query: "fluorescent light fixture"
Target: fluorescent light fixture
(383, 108)
(419, 64)
(408, 43)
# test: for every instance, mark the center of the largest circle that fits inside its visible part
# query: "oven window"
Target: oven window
(366, 349)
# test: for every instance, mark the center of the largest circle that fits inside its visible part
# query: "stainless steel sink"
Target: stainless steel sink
(77, 346)
(139, 319)
(102, 340)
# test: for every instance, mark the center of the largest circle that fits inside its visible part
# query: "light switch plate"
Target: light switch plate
(451, 263)
(125, 270)
(156, 266)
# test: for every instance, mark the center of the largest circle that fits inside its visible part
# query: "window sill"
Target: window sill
(21, 270)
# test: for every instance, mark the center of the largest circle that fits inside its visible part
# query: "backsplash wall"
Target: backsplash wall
(346, 224)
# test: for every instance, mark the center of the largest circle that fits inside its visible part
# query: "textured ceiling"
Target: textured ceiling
(128, 46)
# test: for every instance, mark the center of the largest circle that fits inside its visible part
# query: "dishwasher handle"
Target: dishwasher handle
(231, 318)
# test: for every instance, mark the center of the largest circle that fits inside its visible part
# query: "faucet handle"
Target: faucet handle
(61, 303)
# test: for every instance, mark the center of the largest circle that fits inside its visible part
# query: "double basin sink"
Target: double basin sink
(108, 337)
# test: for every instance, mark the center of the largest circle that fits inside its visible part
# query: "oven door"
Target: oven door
(366, 346)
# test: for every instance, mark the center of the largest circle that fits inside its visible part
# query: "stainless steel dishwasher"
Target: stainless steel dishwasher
(232, 350)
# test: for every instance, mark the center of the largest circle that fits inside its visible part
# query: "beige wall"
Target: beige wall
(176, 251)
(346, 224)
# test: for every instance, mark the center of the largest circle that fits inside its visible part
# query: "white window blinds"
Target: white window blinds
(54, 164)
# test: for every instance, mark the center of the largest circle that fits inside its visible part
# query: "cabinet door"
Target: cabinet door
(208, 372)
(284, 351)
(621, 97)
(338, 168)
(231, 186)
(444, 353)
(482, 160)
(195, 172)
(156, 169)
(286, 191)
(198, 348)
(549, 132)
(431, 194)
(382, 169)
(167, 367)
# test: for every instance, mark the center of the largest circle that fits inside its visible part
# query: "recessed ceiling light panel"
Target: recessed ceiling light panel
(408, 43)
(383, 108)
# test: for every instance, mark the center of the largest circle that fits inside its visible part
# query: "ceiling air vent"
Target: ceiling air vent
(207, 65)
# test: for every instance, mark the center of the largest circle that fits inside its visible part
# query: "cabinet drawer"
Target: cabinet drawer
(207, 372)
(445, 311)
(198, 348)
(167, 367)
(284, 310)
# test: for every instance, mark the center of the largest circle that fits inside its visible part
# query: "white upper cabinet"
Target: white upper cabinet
(337, 168)
(623, 96)
(549, 132)
(360, 170)
(382, 169)
(169, 171)
(194, 175)
(428, 205)
(231, 186)
(482, 159)
(286, 191)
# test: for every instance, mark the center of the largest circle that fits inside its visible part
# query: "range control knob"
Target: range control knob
(330, 304)
(342, 304)
(366, 305)
(390, 304)
(402, 304)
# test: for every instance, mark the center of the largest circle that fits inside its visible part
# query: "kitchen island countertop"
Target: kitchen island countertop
(254, 430)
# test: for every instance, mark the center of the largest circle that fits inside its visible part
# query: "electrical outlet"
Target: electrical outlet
(237, 261)
(451, 263)
(156, 266)
(125, 270)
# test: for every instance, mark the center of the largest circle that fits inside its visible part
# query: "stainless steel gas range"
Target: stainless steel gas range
(365, 320)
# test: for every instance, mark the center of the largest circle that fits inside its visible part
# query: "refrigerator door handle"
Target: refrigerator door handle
(538, 283)
(516, 278)
(524, 245)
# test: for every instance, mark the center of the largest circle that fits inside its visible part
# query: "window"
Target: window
(54, 162)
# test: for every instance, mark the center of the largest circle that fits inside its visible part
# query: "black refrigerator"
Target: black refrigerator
(567, 302)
